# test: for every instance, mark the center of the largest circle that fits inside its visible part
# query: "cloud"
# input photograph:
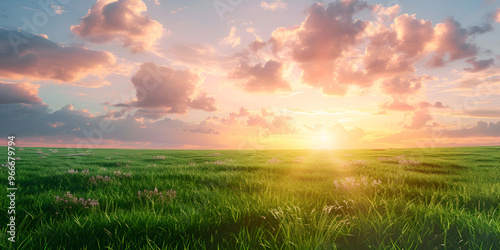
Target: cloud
(480, 29)
(325, 35)
(256, 45)
(277, 4)
(433, 137)
(281, 125)
(351, 135)
(486, 78)
(38, 120)
(438, 105)
(57, 9)
(233, 116)
(267, 78)
(256, 120)
(400, 86)
(484, 113)
(12, 93)
(385, 14)
(121, 21)
(70, 127)
(421, 116)
(398, 105)
(231, 39)
(176, 10)
(420, 119)
(479, 65)
(497, 15)
(203, 102)
(204, 131)
(270, 122)
(336, 52)
(481, 128)
(413, 34)
(174, 90)
(451, 43)
(39, 58)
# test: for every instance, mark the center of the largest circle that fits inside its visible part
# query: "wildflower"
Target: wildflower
(99, 179)
(356, 163)
(299, 159)
(156, 195)
(273, 160)
(68, 201)
(408, 161)
(356, 182)
(118, 174)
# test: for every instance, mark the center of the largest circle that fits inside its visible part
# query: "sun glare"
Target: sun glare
(324, 140)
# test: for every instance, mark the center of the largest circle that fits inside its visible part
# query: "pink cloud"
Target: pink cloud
(256, 120)
(335, 51)
(123, 21)
(265, 78)
(203, 102)
(39, 58)
(420, 119)
(401, 86)
(438, 105)
(233, 116)
(398, 105)
(451, 42)
(326, 46)
(413, 34)
(323, 37)
(12, 93)
(386, 13)
(274, 124)
(173, 90)
(256, 45)
(497, 15)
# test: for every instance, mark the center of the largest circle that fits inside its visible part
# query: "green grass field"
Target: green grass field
(446, 198)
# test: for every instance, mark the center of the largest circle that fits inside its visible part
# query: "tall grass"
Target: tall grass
(446, 198)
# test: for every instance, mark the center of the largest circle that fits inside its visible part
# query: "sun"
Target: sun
(325, 140)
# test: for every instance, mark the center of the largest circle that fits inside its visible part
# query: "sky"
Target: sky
(250, 75)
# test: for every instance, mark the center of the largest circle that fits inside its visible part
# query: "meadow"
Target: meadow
(441, 198)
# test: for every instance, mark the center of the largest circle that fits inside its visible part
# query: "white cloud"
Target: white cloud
(278, 4)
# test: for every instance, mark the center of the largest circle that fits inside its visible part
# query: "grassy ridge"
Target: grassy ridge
(446, 198)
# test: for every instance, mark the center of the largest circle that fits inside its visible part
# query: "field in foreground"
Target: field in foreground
(447, 198)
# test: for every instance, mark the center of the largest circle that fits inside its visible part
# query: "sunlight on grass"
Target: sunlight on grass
(356, 199)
